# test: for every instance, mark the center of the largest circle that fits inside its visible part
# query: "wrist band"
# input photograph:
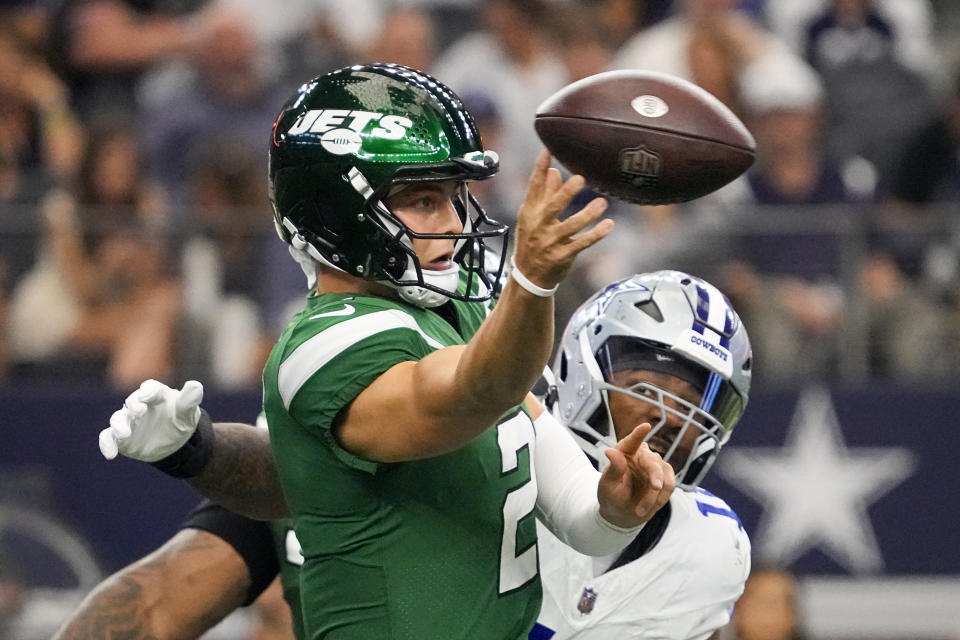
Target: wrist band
(190, 459)
(524, 282)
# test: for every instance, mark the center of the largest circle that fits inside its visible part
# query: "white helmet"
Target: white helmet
(668, 322)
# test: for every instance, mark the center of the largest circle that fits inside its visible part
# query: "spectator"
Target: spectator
(707, 42)
(584, 43)
(225, 97)
(511, 61)
(854, 23)
(928, 169)
(407, 37)
(98, 303)
(794, 297)
(30, 18)
(40, 146)
(622, 19)
(912, 337)
(783, 107)
(852, 43)
(768, 608)
(40, 142)
(101, 48)
(226, 339)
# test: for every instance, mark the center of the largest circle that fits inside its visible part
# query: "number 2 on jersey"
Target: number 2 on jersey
(514, 435)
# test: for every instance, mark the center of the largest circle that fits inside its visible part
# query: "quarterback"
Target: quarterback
(405, 442)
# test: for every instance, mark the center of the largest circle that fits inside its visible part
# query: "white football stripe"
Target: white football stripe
(316, 352)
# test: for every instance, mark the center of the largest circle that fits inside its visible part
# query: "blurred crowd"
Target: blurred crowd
(136, 237)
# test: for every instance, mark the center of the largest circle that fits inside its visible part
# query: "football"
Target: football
(645, 137)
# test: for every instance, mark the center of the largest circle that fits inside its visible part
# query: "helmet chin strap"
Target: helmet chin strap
(423, 297)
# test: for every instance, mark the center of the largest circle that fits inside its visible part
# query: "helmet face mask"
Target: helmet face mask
(421, 286)
(664, 348)
(345, 140)
(684, 434)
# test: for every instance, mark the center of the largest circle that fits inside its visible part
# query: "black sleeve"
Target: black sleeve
(252, 539)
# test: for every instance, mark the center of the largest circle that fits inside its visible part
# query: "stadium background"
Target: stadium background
(136, 241)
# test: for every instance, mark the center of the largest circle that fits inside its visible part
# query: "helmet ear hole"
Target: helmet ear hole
(650, 308)
(563, 367)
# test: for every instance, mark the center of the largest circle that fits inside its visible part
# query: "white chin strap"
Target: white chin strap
(426, 298)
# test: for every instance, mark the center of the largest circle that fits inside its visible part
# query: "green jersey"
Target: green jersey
(289, 560)
(436, 548)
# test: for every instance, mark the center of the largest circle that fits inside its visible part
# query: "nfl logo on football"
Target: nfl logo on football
(641, 165)
(587, 599)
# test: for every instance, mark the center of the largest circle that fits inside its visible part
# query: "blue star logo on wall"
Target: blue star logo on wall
(815, 491)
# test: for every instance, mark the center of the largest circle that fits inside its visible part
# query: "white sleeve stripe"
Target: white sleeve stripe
(316, 352)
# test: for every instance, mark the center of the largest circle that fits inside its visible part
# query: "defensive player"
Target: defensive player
(405, 443)
(668, 349)
(219, 560)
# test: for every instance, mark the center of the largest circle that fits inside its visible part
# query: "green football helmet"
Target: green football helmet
(345, 141)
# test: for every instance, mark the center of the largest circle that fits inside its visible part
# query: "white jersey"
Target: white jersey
(683, 588)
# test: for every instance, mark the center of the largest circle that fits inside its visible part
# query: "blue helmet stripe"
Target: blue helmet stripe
(703, 304)
(710, 393)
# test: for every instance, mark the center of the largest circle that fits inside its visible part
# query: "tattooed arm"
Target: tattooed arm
(179, 591)
(241, 474)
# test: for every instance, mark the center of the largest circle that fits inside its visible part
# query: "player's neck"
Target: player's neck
(333, 281)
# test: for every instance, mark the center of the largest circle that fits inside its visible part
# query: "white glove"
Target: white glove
(154, 422)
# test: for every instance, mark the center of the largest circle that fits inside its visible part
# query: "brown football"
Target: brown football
(645, 137)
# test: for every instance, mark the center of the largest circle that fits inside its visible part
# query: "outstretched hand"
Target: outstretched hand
(545, 246)
(154, 421)
(636, 483)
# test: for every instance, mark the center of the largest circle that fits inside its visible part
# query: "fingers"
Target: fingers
(591, 237)
(618, 462)
(582, 219)
(645, 464)
(118, 431)
(545, 247)
(538, 178)
(108, 446)
(190, 397)
(647, 481)
(150, 392)
(630, 444)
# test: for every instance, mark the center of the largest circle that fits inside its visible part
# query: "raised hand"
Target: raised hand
(154, 421)
(545, 245)
(636, 483)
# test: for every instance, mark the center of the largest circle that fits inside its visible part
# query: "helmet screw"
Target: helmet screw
(568, 411)
(359, 268)
(361, 217)
(336, 257)
(581, 390)
(391, 260)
